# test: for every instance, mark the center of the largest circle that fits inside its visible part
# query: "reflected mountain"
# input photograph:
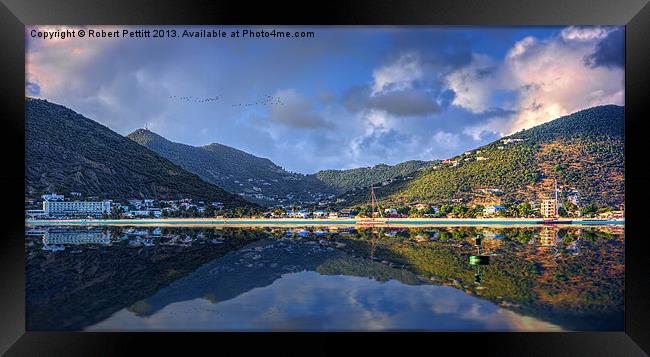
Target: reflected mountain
(261, 263)
(541, 278)
(83, 284)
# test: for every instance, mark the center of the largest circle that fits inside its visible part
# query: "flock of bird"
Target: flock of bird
(195, 99)
(268, 100)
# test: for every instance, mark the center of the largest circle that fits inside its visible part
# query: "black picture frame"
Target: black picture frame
(634, 14)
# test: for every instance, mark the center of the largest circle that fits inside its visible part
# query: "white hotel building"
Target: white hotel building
(63, 208)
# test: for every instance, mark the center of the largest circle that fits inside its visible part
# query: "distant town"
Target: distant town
(75, 206)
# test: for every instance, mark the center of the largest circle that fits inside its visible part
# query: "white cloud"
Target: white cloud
(446, 139)
(378, 120)
(555, 81)
(581, 33)
(546, 78)
(475, 83)
(399, 75)
(493, 125)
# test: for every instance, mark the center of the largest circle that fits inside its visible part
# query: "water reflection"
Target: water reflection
(461, 278)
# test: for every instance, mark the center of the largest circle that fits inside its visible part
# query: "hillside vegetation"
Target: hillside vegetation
(343, 180)
(67, 152)
(583, 151)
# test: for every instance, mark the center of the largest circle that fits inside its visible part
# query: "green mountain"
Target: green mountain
(256, 178)
(344, 180)
(583, 151)
(261, 180)
(67, 152)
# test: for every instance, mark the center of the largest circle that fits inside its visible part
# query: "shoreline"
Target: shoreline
(346, 222)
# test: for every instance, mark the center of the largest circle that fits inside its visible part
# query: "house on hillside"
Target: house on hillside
(490, 210)
(421, 207)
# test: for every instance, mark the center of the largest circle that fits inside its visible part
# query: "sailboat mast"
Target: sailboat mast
(556, 203)
(372, 200)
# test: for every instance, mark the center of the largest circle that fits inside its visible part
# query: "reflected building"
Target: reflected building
(548, 237)
(65, 236)
(547, 246)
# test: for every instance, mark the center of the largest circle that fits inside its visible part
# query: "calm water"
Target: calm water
(336, 279)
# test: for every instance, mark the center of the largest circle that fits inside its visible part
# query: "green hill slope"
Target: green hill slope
(583, 151)
(67, 152)
(344, 180)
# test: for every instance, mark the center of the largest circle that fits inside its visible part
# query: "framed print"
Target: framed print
(448, 171)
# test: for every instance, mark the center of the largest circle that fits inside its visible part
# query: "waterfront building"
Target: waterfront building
(146, 213)
(488, 210)
(136, 203)
(53, 197)
(76, 208)
(548, 208)
(390, 211)
(36, 213)
(347, 212)
(320, 213)
(303, 213)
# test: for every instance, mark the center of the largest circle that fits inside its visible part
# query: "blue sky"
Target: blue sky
(348, 97)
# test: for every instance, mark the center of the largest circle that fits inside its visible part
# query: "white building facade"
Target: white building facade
(86, 208)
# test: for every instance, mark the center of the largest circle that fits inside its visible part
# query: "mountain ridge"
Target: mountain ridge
(67, 152)
(262, 180)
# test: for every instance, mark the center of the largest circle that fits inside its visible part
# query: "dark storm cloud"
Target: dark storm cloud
(609, 51)
(297, 112)
(302, 120)
(411, 102)
(494, 112)
(443, 49)
(430, 54)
